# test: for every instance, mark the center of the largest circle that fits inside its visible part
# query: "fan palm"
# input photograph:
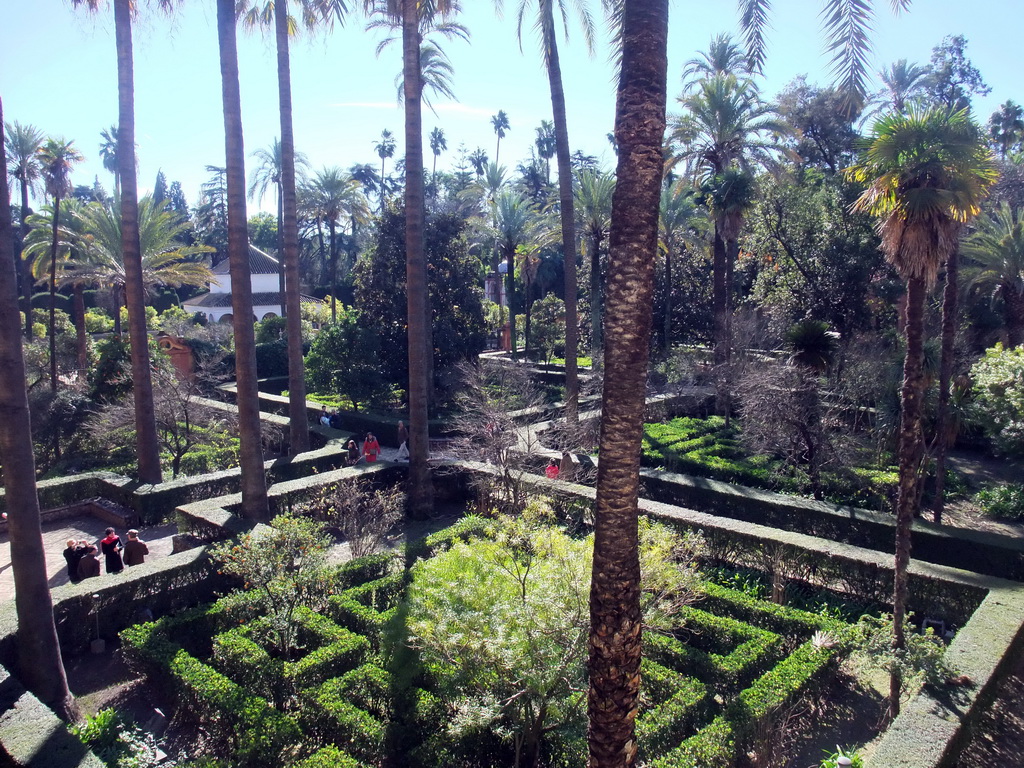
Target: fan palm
(56, 159)
(927, 173)
(501, 126)
(108, 155)
(21, 143)
(997, 249)
(438, 144)
(594, 213)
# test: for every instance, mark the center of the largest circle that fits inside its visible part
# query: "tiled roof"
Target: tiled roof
(219, 300)
(260, 263)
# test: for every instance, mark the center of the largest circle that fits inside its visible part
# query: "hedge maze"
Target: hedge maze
(344, 696)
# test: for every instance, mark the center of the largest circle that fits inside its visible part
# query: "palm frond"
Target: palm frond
(754, 23)
(847, 25)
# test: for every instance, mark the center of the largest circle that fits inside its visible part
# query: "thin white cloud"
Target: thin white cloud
(449, 107)
(367, 104)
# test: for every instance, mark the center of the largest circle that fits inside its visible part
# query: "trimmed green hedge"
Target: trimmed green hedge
(329, 757)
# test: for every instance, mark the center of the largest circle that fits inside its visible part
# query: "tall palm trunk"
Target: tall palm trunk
(80, 335)
(298, 421)
(333, 268)
(510, 292)
(40, 667)
(949, 310)
(421, 493)
(595, 297)
(1013, 299)
(28, 281)
(720, 310)
(567, 214)
(911, 449)
(280, 251)
(615, 621)
(254, 481)
(669, 246)
(146, 444)
(53, 293)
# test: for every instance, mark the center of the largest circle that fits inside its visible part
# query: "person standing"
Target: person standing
(135, 549)
(111, 546)
(403, 434)
(371, 448)
(73, 556)
(89, 565)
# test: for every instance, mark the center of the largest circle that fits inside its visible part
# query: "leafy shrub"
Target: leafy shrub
(117, 743)
(1002, 501)
(832, 758)
(999, 396)
(328, 757)
(98, 321)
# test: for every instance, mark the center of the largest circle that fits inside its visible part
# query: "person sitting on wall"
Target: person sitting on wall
(552, 470)
(325, 418)
(352, 451)
(335, 420)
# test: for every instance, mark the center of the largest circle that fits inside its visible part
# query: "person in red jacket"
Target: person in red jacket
(371, 448)
(552, 469)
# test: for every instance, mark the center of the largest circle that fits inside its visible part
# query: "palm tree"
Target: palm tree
(288, 228)
(546, 11)
(594, 209)
(520, 230)
(269, 162)
(723, 57)
(726, 126)
(438, 144)
(1006, 127)
(615, 620)
(22, 144)
(676, 211)
(385, 148)
(166, 261)
(501, 126)
(254, 482)
(40, 666)
(147, 447)
(545, 143)
(108, 155)
(333, 196)
(997, 249)
(927, 173)
(36, 249)
(56, 158)
(478, 159)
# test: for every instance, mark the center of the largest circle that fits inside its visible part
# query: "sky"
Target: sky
(58, 72)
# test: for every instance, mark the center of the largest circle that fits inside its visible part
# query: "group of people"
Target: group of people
(370, 450)
(83, 557)
(565, 469)
(330, 419)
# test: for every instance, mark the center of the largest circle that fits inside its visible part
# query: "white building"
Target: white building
(265, 273)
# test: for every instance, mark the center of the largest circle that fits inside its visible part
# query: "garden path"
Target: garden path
(55, 536)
